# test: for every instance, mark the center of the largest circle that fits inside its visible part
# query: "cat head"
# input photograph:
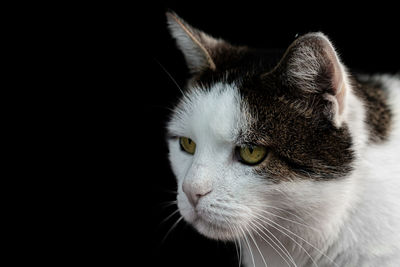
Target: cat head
(252, 136)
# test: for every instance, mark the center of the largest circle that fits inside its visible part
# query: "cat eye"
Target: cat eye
(251, 155)
(187, 145)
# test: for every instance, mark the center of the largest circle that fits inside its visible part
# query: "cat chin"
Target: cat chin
(211, 229)
(214, 231)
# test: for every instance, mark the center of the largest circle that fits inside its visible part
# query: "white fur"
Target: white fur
(353, 221)
(212, 119)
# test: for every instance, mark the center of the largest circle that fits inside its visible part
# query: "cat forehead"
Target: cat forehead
(216, 111)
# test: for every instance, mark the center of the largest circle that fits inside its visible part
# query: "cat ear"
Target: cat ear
(197, 46)
(312, 65)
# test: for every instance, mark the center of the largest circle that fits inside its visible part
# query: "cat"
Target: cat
(296, 160)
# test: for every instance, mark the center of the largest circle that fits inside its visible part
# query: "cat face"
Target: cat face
(212, 183)
(252, 137)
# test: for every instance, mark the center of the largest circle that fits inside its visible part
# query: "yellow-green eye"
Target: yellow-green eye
(251, 155)
(187, 145)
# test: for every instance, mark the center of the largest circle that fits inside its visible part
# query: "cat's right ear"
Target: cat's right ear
(196, 46)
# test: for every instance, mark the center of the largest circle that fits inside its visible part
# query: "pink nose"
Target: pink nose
(194, 193)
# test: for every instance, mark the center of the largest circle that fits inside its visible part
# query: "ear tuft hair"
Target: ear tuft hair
(195, 45)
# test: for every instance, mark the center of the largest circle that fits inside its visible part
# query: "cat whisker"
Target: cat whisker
(169, 216)
(236, 240)
(263, 218)
(286, 219)
(248, 245)
(232, 232)
(172, 228)
(246, 209)
(305, 241)
(174, 192)
(240, 252)
(280, 245)
(162, 107)
(255, 244)
(169, 203)
(284, 210)
(170, 76)
(278, 216)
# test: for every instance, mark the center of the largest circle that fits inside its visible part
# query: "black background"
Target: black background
(365, 37)
(98, 100)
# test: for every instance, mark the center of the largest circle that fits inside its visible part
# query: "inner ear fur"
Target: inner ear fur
(311, 66)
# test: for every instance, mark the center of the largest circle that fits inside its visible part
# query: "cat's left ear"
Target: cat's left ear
(197, 47)
(312, 66)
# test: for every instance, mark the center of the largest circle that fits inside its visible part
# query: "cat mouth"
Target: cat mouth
(214, 229)
(215, 222)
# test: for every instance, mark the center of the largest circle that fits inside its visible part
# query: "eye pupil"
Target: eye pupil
(187, 145)
(251, 155)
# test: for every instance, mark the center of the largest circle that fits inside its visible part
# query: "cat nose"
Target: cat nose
(195, 191)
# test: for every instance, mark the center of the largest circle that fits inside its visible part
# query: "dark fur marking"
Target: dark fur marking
(235, 63)
(295, 126)
(304, 141)
(379, 115)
